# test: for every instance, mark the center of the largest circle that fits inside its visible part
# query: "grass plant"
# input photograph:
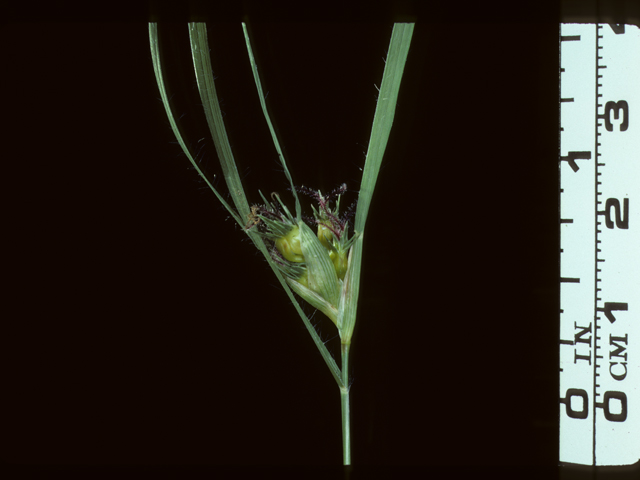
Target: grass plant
(323, 267)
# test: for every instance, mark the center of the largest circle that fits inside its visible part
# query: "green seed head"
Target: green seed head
(289, 246)
(314, 264)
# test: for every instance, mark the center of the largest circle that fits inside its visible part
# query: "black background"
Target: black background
(143, 328)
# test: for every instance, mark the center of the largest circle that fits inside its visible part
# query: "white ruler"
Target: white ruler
(599, 244)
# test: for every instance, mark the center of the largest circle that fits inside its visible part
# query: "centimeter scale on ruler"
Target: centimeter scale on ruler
(599, 244)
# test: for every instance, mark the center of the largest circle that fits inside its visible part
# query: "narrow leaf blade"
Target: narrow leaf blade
(383, 118)
(209, 97)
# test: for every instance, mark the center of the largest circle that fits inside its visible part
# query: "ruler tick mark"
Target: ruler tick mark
(569, 280)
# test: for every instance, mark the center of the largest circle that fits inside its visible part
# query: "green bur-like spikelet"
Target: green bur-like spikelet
(323, 287)
(313, 266)
(321, 274)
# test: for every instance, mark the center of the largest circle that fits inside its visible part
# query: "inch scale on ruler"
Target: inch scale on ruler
(599, 244)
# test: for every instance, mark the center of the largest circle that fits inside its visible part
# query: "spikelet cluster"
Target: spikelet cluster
(314, 264)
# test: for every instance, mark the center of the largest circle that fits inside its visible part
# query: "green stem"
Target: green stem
(344, 403)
